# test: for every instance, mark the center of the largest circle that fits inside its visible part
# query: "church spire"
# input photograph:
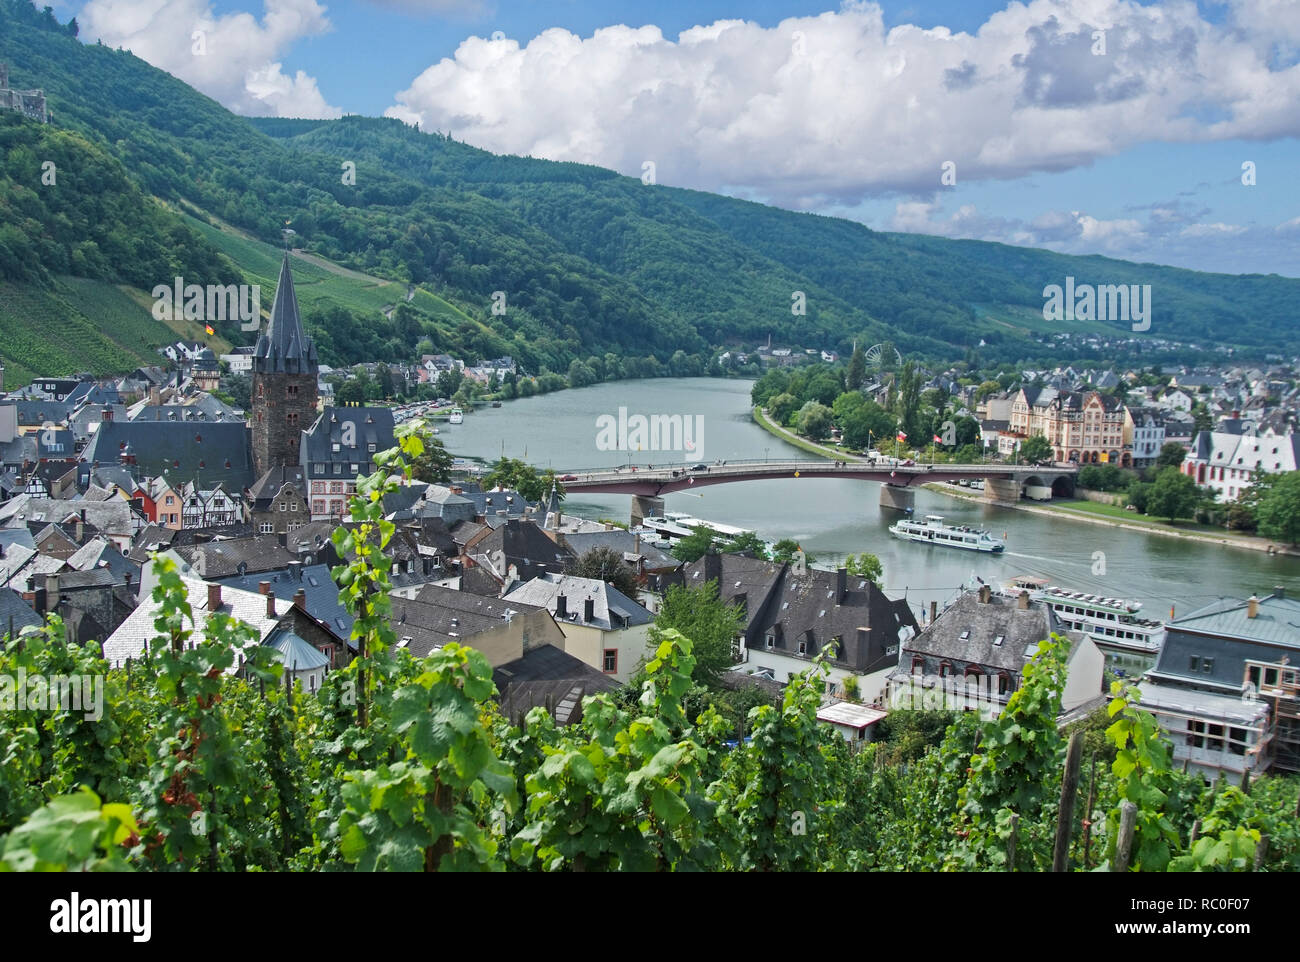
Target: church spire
(284, 346)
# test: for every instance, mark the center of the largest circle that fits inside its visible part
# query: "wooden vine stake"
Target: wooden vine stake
(1065, 814)
(1124, 844)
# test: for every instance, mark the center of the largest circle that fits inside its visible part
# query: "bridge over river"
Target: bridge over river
(647, 483)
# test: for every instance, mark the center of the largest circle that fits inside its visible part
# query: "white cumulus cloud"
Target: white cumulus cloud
(233, 58)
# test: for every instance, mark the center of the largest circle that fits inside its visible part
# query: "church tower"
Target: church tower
(284, 390)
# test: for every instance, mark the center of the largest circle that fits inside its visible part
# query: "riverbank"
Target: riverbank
(1088, 516)
(803, 444)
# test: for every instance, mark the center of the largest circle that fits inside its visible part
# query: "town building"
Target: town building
(972, 657)
(793, 614)
(1226, 687)
(339, 448)
(1085, 427)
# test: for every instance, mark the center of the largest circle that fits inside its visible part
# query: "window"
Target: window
(611, 660)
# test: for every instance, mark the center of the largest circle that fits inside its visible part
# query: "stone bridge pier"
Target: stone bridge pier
(1002, 489)
(897, 496)
(645, 506)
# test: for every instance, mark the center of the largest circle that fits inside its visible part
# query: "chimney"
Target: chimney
(841, 585)
(1252, 606)
(263, 587)
(1022, 601)
(270, 604)
(934, 611)
(300, 599)
(985, 594)
(589, 610)
(561, 606)
(712, 565)
(214, 597)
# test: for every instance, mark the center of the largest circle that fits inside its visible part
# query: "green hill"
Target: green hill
(589, 262)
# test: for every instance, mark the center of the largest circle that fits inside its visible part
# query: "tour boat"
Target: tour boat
(1129, 641)
(933, 531)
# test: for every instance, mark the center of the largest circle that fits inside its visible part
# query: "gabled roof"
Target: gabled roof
(438, 615)
(547, 677)
(969, 629)
(611, 609)
(15, 614)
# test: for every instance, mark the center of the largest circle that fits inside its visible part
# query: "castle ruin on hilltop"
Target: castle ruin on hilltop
(28, 102)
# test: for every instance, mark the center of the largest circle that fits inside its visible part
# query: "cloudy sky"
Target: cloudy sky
(1086, 126)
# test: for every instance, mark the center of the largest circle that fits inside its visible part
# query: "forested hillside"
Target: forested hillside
(589, 262)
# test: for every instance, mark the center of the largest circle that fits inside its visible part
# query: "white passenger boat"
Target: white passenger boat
(933, 531)
(1129, 641)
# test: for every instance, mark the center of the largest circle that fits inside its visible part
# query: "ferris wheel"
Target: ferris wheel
(875, 353)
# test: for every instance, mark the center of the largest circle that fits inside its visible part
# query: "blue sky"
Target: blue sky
(1133, 150)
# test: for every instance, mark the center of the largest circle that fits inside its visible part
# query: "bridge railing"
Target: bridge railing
(810, 465)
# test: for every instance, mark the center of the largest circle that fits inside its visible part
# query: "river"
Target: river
(833, 517)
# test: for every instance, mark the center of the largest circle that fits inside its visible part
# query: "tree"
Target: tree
(1171, 455)
(605, 564)
(781, 407)
(1034, 449)
(1277, 505)
(857, 370)
(866, 566)
(784, 550)
(712, 625)
(693, 546)
(814, 421)
(1173, 495)
(433, 464)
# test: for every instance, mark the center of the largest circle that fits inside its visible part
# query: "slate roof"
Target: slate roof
(111, 517)
(131, 637)
(369, 426)
(1021, 630)
(611, 610)
(100, 551)
(213, 453)
(808, 608)
(1222, 634)
(547, 677)
(527, 547)
(15, 614)
(220, 559)
(285, 347)
(322, 594)
(270, 484)
(622, 542)
(438, 615)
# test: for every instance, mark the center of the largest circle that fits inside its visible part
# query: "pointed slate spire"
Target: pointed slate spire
(284, 347)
